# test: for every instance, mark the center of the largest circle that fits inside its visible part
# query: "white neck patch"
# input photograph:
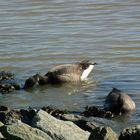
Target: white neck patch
(86, 72)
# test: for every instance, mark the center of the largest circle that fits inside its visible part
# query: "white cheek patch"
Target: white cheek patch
(86, 72)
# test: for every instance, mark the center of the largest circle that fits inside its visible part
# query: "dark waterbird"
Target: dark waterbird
(119, 102)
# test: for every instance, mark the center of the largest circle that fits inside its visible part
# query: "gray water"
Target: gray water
(36, 35)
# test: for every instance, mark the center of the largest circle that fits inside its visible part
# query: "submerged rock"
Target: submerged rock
(58, 129)
(6, 75)
(22, 131)
(6, 88)
(132, 133)
(8, 83)
(103, 133)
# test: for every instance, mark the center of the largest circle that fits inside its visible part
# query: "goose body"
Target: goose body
(119, 102)
(75, 72)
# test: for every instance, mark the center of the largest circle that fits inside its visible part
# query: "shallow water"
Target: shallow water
(36, 35)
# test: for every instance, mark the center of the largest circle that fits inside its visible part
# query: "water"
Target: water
(36, 35)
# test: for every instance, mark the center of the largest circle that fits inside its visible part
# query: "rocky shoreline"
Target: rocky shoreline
(49, 123)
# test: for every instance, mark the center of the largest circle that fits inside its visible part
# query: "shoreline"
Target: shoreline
(35, 120)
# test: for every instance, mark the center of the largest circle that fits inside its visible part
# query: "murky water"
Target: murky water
(36, 35)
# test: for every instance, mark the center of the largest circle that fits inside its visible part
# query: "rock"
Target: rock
(58, 129)
(27, 115)
(5, 75)
(72, 117)
(130, 133)
(80, 121)
(57, 113)
(8, 115)
(1, 136)
(6, 88)
(1, 124)
(97, 112)
(8, 82)
(103, 133)
(22, 131)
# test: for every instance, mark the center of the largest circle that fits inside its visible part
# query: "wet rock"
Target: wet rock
(130, 133)
(27, 115)
(6, 75)
(8, 116)
(103, 133)
(6, 88)
(4, 108)
(97, 112)
(1, 136)
(58, 129)
(72, 117)
(85, 125)
(1, 124)
(80, 121)
(8, 83)
(22, 131)
(54, 111)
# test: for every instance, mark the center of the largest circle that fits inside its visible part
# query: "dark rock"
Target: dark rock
(132, 133)
(80, 121)
(27, 115)
(8, 83)
(87, 126)
(4, 108)
(103, 133)
(8, 115)
(54, 111)
(6, 88)
(6, 75)
(97, 112)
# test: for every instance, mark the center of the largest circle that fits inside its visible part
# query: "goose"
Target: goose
(119, 102)
(75, 72)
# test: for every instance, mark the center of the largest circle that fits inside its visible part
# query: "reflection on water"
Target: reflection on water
(36, 35)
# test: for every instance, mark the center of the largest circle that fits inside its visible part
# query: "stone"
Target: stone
(103, 133)
(22, 131)
(132, 133)
(1, 136)
(1, 124)
(8, 115)
(80, 121)
(58, 129)
(97, 112)
(8, 82)
(57, 113)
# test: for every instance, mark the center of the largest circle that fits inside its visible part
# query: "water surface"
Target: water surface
(36, 35)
